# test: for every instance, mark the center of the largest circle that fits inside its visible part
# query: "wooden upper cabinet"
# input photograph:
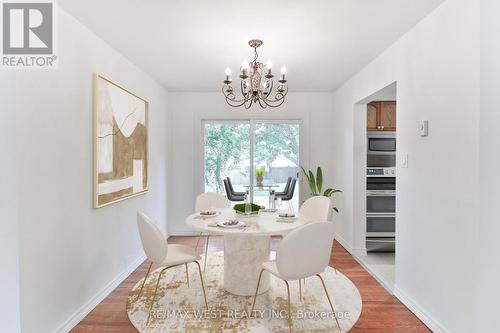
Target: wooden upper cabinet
(388, 116)
(371, 118)
(381, 116)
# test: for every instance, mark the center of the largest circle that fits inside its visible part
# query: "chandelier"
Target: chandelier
(256, 84)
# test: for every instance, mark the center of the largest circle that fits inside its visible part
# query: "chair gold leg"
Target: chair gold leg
(198, 242)
(202, 284)
(154, 295)
(300, 290)
(187, 275)
(329, 301)
(256, 290)
(289, 306)
(206, 254)
(144, 282)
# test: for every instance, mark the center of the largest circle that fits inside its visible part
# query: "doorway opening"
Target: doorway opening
(375, 184)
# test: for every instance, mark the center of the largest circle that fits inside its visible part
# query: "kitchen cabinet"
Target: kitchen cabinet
(371, 119)
(381, 116)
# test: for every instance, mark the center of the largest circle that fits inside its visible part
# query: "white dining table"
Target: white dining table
(245, 249)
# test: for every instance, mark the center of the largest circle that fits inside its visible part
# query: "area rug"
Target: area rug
(179, 308)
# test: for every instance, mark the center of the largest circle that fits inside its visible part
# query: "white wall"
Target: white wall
(70, 252)
(436, 66)
(489, 230)
(9, 254)
(188, 109)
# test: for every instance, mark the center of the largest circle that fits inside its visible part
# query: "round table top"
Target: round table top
(262, 224)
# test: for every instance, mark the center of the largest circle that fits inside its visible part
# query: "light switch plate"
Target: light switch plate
(404, 161)
(423, 128)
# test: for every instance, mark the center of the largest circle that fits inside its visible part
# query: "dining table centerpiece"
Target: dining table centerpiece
(259, 176)
(240, 208)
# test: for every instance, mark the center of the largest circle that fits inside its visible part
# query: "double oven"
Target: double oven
(381, 193)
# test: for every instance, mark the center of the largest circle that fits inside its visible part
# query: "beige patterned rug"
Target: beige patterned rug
(181, 309)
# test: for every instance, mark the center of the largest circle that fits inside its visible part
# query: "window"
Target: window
(236, 149)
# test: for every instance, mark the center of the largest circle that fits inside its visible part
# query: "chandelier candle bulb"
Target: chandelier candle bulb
(283, 74)
(269, 66)
(228, 75)
(244, 68)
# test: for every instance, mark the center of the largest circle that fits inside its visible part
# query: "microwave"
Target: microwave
(381, 143)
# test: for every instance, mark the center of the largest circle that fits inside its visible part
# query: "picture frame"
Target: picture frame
(120, 143)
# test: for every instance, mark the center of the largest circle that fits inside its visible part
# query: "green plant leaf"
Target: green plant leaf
(335, 209)
(328, 192)
(312, 183)
(319, 179)
(305, 173)
(260, 172)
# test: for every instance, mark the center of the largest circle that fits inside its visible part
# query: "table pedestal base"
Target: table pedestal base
(243, 258)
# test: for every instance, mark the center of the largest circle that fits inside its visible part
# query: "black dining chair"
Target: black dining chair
(285, 191)
(232, 189)
(289, 195)
(230, 195)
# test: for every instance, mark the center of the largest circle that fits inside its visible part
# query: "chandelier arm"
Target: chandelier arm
(271, 87)
(278, 100)
(234, 102)
(231, 103)
(262, 105)
(277, 97)
(272, 103)
(232, 99)
(281, 94)
(245, 94)
(262, 96)
(249, 104)
(275, 103)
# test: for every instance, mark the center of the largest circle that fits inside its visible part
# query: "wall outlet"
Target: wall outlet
(404, 161)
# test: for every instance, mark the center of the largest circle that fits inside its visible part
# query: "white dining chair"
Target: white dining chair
(208, 201)
(315, 209)
(162, 254)
(304, 252)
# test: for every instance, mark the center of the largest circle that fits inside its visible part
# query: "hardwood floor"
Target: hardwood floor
(382, 313)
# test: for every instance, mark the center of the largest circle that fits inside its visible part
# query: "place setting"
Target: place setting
(286, 217)
(231, 224)
(207, 214)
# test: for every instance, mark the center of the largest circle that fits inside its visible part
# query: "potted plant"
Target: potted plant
(259, 176)
(316, 184)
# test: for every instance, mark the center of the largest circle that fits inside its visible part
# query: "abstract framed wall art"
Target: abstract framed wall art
(121, 139)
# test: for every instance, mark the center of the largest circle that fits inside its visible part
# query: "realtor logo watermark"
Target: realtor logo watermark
(28, 35)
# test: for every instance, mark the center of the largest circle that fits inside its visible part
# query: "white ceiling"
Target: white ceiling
(187, 44)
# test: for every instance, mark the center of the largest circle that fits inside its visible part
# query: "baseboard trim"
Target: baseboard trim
(374, 274)
(98, 298)
(184, 233)
(423, 315)
(343, 242)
